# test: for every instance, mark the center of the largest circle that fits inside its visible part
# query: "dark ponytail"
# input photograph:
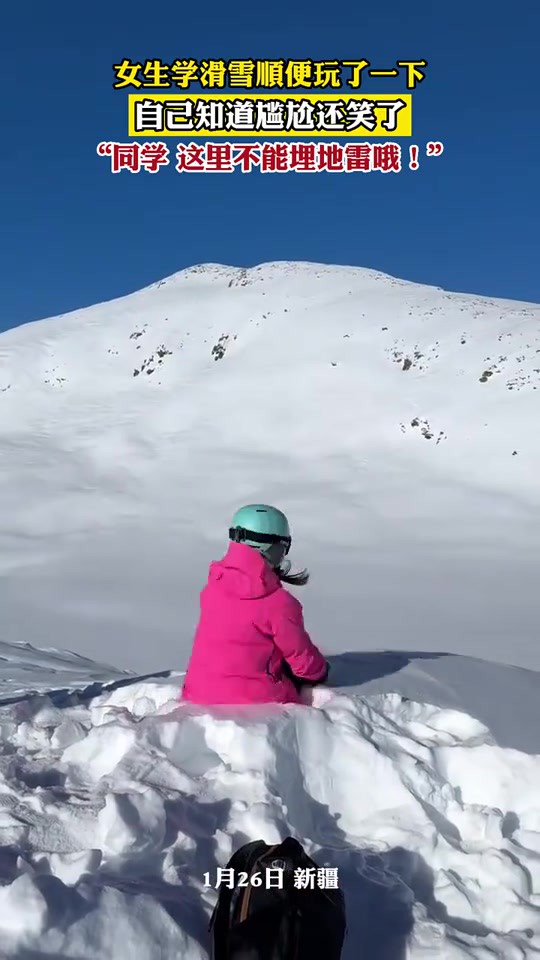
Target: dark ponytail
(294, 579)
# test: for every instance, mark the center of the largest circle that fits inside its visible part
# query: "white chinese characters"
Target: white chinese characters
(309, 878)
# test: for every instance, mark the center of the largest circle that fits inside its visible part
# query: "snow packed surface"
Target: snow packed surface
(397, 426)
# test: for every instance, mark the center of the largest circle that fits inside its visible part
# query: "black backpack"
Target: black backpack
(270, 922)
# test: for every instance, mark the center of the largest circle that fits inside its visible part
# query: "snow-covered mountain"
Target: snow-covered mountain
(397, 425)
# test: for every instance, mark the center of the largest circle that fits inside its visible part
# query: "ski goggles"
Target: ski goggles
(240, 535)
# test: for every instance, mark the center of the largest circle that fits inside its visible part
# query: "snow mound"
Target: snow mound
(112, 810)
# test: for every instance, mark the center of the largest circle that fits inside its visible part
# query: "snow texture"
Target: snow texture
(396, 424)
(112, 810)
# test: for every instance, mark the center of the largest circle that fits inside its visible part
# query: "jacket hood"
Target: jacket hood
(244, 573)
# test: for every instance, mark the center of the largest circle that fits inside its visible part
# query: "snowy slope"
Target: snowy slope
(24, 669)
(396, 423)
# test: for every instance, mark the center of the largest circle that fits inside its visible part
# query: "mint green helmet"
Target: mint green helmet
(263, 527)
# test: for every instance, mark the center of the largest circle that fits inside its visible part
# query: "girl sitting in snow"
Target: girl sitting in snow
(251, 645)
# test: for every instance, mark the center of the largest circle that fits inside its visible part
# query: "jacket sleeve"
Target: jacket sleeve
(294, 643)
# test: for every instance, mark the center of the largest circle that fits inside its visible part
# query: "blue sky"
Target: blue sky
(73, 234)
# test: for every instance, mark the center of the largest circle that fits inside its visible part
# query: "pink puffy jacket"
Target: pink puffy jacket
(249, 625)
